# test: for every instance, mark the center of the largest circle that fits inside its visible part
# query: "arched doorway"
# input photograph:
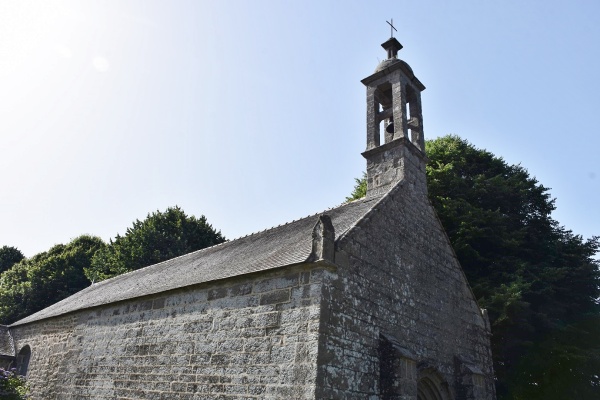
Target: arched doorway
(431, 386)
(23, 360)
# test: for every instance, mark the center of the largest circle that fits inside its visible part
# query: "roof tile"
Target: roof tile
(286, 244)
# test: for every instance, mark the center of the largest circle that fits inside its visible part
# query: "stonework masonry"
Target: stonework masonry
(246, 339)
(7, 349)
(418, 300)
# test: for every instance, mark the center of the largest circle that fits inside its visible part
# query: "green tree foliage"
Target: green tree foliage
(9, 256)
(12, 386)
(161, 236)
(46, 278)
(360, 188)
(539, 281)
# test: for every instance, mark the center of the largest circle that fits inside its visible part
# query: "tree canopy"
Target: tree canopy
(9, 256)
(161, 236)
(30, 285)
(46, 278)
(539, 281)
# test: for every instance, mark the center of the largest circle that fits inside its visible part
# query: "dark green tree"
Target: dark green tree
(539, 281)
(161, 236)
(9, 256)
(46, 278)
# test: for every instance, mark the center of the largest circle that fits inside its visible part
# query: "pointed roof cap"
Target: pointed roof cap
(392, 46)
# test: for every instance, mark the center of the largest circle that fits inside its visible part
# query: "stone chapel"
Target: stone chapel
(363, 301)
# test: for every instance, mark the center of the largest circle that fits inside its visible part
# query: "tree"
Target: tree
(539, 281)
(360, 188)
(46, 278)
(33, 284)
(161, 236)
(9, 256)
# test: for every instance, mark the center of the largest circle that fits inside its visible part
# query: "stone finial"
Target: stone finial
(323, 240)
(392, 46)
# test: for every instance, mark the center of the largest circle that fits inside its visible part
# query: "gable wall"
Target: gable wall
(398, 276)
(237, 339)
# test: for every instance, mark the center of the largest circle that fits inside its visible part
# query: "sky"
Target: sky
(252, 113)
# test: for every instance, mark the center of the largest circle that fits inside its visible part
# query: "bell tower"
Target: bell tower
(394, 114)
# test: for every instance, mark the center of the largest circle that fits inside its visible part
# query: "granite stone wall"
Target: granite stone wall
(399, 310)
(242, 338)
(7, 351)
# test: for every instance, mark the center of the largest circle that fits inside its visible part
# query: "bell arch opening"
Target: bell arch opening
(385, 105)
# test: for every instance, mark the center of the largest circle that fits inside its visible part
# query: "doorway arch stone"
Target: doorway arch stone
(432, 386)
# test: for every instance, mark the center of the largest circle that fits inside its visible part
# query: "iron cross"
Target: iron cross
(392, 29)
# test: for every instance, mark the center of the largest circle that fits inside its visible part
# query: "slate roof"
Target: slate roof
(286, 244)
(6, 342)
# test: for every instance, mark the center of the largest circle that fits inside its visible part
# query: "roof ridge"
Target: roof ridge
(365, 217)
(274, 247)
(289, 222)
(227, 242)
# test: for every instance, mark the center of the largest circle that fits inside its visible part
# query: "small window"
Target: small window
(23, 360)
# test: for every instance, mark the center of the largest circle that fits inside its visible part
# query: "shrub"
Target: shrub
(12, 385)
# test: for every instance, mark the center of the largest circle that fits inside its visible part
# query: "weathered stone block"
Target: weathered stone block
(277, 296)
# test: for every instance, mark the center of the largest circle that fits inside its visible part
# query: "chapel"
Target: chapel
(363, 301)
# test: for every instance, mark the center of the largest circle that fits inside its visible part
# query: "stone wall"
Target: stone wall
(242, 338)
(401, 304)
(7, 351)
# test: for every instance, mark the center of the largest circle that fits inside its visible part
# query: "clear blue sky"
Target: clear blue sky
(252, 112)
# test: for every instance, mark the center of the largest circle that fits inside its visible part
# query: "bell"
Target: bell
(390, 127)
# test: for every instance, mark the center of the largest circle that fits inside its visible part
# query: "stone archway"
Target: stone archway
(22, 361)
(431, 386)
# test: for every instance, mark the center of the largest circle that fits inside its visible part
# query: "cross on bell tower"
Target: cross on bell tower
(392, 27)
(394, 112)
